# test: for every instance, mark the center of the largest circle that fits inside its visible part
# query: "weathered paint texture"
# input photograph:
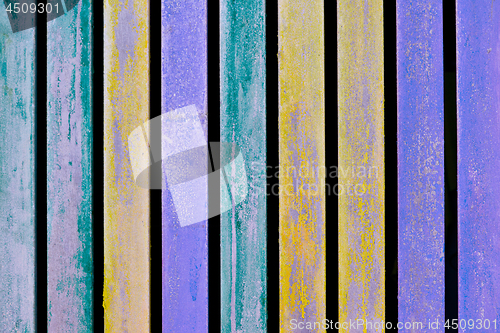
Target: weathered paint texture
(361, 161)
(478, 105)
(302, 162)
(126, 205)
(184, 84)
(17, 196)
(69, 172)
(420, 163)
(243, 121)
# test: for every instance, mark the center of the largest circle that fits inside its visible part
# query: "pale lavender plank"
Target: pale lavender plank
(17, 196)
(69, 172)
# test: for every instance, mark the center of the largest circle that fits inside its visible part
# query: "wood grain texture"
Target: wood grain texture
(420, 163)
(184, 84)
(361, 162)
(17, 192)
(302, 162)
(243, 121)
(478, 104)
(126, 205)
(70, 272)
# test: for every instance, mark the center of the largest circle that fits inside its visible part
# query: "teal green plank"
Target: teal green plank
(243, 121)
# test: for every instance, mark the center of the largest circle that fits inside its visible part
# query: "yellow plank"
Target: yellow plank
(126, 205)
(302, 159)
(361, 163)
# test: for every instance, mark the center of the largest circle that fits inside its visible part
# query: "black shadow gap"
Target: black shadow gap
(213, 91)
(331, 163)
(41, 174)
(450, 162)
(97, 167)
(391, 163)
(155, 224)
(272, 110)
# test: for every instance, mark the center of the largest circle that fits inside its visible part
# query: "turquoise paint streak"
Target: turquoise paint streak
(17, 197)
(243, 121)
(69, 171)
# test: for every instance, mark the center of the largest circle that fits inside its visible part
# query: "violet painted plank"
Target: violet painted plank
(420, 163)
(243, 121)
(17, 191)
(478, 105)
(184, 91)
(126, 204)
(302, 163)
(70, 274)
(361, 162)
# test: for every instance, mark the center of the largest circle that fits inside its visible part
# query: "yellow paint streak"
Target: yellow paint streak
(126, 206)
(361, 147)
(302, 150)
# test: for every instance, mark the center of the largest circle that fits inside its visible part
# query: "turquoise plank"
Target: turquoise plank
(243, 121)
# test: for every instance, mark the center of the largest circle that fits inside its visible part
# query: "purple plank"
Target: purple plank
(184, 85)
(478, 99)
(420, 164)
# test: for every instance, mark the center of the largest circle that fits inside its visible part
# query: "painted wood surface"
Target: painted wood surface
(361, 161)
(126, 205)
(184, 84)
(478, 104)
(70, 274)
(302, 162)
(420, 163)
(17, 191)
(243, 121)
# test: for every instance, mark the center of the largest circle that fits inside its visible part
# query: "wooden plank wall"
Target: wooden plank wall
(126, 205)
(17, 178)
(184, 84)
(420, 163)
(243, 122)
(478, 104)
(361, 161)
(302, 162)
(243, 118)
(70, 274)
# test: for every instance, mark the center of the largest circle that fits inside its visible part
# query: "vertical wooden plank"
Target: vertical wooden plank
(69, 171)
(361, 162)
(302, 163)
(243, 121)
(17, 196)
(126, 205)
(478, 102)
(184, 84)
(420, 163)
